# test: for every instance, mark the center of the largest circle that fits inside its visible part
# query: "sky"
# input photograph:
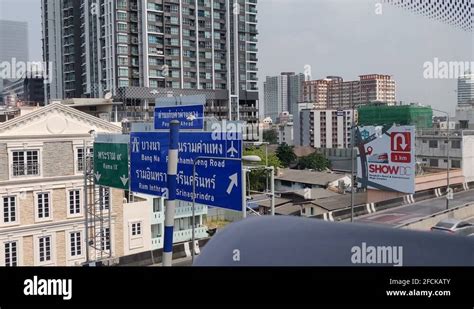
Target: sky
(335, 37)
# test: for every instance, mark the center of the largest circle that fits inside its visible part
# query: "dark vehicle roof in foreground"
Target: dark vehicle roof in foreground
(297, 241)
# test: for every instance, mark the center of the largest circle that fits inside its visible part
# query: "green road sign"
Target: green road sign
(111, 165)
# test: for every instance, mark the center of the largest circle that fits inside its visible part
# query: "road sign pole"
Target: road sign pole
(448, 167)
(170, 202)
(244, 194)
(193, 238)
(86, 209)
(272, 187)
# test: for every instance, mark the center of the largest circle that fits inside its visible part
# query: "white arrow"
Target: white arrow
(233, 183)
(403, 145)
(97, 176)
(124, 180)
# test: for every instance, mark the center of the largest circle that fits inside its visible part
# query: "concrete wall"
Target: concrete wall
(436, 180)
(137, 212)
(439, 153)
(468, 157)
(422, 182)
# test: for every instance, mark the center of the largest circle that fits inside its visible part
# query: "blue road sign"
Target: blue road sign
(189, 116)
(218, 181)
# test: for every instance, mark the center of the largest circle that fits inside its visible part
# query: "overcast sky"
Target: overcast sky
(336, 37)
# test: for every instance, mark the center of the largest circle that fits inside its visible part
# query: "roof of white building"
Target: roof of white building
(54, 119)
(307, 176)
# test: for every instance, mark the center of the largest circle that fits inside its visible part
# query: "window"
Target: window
(25, 163)
(156, 205)
(11, 257)
(156, 231)
(136, 229)
(122, 61)
(456, 163)
(80, 158)
(122, 4)
(122, 27)
(123, 72)
(434, 162)
(456, 144)
(105, 239)
(153, 39)
(74, 202)
(122, 16)
(153, 84)
(174, 20)
(122, 49)
(123, 82)
(9, 209)
(312, 211)
(122, 38)
(433, 144)
(45, 248)
(43, 204)
(75, 242)
(104, 198)
(464, 124)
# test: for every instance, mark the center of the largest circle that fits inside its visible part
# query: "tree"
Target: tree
(314, 161)
(286, 155)
(257, 177)
(270, 136)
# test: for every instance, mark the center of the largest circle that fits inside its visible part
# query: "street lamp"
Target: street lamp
(448, 189)
(352, 160)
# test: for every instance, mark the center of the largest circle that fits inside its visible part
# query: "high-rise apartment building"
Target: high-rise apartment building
(139, 50)
(334, 92)
(13, 44)
(325, 128)
(466, 89)
(377, 88)
(282, 93)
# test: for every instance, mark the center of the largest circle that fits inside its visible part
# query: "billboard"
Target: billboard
(386, 158)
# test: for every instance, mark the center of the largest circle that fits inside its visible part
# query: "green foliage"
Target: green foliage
(258, 177)
(314, 161)
(286, 155)
(270, 136)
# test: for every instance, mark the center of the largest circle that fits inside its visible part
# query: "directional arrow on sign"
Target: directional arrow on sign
(233, 183)
(124, 180)
(403, 144)
(97, 176)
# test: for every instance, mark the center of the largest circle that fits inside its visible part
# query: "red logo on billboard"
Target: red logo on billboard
(401, 141)
(401, 147)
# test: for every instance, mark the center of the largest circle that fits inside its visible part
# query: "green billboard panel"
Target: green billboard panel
(111, 165)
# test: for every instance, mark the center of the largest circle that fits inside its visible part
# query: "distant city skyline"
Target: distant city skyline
(344, 38)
